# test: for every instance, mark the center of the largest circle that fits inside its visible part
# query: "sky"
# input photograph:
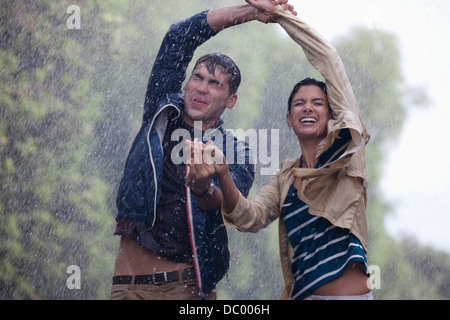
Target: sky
(416, 175)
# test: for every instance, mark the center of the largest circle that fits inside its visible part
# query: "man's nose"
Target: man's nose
(203, 86)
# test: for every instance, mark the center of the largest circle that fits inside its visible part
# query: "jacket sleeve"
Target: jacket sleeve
(174, 56)
(242, 172)
(256, 214)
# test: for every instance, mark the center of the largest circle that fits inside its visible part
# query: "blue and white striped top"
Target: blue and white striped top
(322, 251)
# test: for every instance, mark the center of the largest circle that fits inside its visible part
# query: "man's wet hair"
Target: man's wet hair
(226, 64)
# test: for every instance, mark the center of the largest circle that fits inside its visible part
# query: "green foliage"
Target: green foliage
(70, 105)
(53, 202)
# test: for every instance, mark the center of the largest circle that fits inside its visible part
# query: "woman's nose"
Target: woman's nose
(307, 107)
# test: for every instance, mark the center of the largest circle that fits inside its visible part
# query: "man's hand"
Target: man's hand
(204, 162)
(201, 166)
(266, 5)
(223, 18)
(198, 175)
(211, 161)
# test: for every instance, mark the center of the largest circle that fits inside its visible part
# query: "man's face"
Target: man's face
(206, 96)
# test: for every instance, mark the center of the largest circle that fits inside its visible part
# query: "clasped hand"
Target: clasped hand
(267, 5)
(203, 161)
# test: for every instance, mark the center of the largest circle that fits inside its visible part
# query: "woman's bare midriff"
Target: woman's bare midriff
(133, 259)
(352, 282)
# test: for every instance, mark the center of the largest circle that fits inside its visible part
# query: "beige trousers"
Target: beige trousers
(177, 290)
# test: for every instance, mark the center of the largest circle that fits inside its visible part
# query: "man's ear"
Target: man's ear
(231, 101)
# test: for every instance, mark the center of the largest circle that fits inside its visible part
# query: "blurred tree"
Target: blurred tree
(52, 202)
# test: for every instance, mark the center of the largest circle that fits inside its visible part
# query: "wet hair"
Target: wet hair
(308, 82)
(226, 64)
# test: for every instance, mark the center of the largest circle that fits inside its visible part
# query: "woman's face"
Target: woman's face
(309, 113)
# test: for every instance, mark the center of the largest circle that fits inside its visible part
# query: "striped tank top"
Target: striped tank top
(322, 251)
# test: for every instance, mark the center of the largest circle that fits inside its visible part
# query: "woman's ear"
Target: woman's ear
(289, 120)
(331, 112)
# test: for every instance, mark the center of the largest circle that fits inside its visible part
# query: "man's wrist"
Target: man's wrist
(208, 192)
(223, 18)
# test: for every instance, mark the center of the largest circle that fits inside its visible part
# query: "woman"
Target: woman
(320, 197)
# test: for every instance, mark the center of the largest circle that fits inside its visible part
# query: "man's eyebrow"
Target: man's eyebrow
(195, 74)
(212, 81)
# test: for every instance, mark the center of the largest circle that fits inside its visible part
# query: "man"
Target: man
(173, 240)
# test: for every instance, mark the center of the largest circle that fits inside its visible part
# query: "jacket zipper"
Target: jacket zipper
(155, 178)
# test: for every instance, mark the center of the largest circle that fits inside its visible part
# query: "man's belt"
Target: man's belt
(156, 278)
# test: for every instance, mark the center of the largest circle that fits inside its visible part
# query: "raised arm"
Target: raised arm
(174, 56)
(223, 18)
(324, 58)
(184, 37)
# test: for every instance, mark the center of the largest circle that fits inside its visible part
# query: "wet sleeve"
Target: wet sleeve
(256, 214)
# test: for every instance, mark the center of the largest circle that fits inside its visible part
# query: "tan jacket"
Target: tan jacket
(336, 191)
